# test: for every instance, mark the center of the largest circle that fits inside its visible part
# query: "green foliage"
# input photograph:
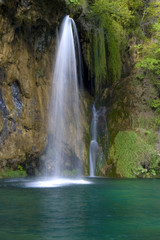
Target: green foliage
(153, 172)
(139, 48)
(155, 103)
(140, 76)
(130, 153)
(149, 51)
(13, 174)
(114, 10)
(156, 30)
(149, 64)
(20, 168)
(135, 5)
(72, 2)
(153, 10)
(118, 19)
(150, 137)
(150, 124)
(156, 121)
(146, 173)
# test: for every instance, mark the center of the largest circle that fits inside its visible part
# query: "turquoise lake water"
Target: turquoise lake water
(88, 209)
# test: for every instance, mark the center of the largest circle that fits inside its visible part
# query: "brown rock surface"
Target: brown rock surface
(27, 45)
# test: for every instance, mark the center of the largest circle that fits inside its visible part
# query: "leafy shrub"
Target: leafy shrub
(13, 174)
(149, 64)
(72, 2)
(155, 103)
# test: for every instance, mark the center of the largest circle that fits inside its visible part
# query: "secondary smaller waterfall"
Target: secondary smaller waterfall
(99, 141)
(93, 144)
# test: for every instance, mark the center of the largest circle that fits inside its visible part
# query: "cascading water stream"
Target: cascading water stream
(99, 141)
(93, 144)
(64, 120)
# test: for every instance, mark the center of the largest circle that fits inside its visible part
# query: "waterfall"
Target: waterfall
(99, 141)
(64, 146)
(93, 144)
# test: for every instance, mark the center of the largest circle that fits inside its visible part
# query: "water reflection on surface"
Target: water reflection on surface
(79, 209)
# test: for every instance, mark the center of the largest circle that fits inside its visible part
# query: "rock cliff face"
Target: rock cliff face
(27, 46)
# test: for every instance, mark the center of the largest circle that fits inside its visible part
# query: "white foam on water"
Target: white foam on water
(56, 182)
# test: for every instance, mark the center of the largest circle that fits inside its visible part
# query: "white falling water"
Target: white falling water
(93, 144)
(64, 121)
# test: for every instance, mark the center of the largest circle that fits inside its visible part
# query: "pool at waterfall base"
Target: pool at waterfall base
(79, 209)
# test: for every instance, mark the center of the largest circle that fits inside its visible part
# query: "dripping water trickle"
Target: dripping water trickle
(93, 144)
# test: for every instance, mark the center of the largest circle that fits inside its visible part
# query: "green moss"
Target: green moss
(114, 31)
(124, 153)
(112, 17)
(133, 156)
(107, 34)
(96, 58)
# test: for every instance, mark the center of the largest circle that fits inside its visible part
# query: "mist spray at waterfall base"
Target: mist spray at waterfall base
(63, 155)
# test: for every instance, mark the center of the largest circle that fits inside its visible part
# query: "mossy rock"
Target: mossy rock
(133, 156)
